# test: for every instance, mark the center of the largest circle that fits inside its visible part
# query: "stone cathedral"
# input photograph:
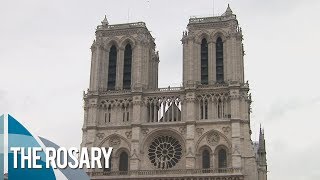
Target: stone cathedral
(199, 131)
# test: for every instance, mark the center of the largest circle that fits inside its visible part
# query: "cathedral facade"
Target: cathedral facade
(199, 131)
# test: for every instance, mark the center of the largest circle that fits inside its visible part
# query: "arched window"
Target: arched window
(203, 109)
(125, 113)
(112, 68)
(219, 60)
(220, 109)
(123, 162)
(127, 67)
(204, 61)
(109, 113)
(222, 158)
(205, 159)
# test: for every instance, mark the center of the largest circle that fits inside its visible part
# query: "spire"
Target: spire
(105, 21)
(262, 153)
(228, 11)
(261, 140)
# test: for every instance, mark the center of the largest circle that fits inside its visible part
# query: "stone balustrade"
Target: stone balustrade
(194, 20)
(170, 172)
(167, 89)
(122, 26)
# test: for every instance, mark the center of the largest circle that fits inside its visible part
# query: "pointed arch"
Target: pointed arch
(203, 34)
(126, 144)
(127, 40)
(112, 42)
(224, 141)
(218, 33)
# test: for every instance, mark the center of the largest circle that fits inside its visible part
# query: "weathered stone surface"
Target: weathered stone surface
(213, 116)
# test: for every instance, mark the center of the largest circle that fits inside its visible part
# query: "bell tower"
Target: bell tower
(124, 63)
(212, 50)
(123, 57)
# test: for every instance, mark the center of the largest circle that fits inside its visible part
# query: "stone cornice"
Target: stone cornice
(213, 121)
(164, 124)
(123, 32)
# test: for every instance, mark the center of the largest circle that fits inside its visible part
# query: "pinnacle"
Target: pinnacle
(228, 11)
(105, 21)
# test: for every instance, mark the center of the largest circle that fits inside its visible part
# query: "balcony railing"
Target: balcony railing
(122, 26)
(167, 89)
(218, 172)
(211, 85)
(195, 20)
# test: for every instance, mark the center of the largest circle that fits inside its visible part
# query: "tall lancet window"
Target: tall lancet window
(123, 162)
(205, 159)
(204, 61)
(219, 60)
(222, 158)
(112, 68)
(127, 67)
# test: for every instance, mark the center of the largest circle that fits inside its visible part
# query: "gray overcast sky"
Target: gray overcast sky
(45, 62)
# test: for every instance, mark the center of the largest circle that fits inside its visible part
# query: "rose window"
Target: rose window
(165, 152)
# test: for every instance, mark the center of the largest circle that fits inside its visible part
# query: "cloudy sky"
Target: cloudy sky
(45, 62)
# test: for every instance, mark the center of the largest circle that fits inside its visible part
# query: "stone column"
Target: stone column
(164, 103)
(105, 67)
(212, 62)
(155, 113)
(185, 66)
(185, 62)
(213, 109)
(156, 74)
(101, 67)
(241, 63)
(95, 67)
(234, 59)
(150, 71)
(145, 65)
(191, 61)
(84, 126)
(209, 107)
(150, 114)
(228, 59)
(100, 52)
(119, 73)
(190, 130)
(136, 122)
(236, 130)
(92, 120)
(239, 60)
(197, 59)
(136, 67)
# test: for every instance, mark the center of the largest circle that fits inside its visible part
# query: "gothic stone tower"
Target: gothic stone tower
(198, 131)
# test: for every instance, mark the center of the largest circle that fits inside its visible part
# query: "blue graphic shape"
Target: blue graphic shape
(78, 174)
(19, 136)
(1, 147)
